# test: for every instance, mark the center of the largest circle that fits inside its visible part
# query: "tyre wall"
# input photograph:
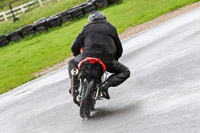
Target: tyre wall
(43, 24)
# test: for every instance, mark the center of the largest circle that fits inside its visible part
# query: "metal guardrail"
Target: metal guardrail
(5, 16)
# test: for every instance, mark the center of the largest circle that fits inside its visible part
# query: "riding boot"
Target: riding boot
(104, 89)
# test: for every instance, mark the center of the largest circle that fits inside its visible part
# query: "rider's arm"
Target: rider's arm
(77, 45)
(118, 45)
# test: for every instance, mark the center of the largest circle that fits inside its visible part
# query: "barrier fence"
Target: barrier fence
(5, 16)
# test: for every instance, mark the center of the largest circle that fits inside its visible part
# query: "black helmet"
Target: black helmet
(96, 15)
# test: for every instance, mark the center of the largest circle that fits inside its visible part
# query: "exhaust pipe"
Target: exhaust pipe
(74, 84)
(74, 81)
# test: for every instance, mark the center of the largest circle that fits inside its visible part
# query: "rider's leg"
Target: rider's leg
(121, 73)
(73, 63)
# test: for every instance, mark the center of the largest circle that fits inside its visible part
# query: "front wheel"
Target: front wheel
(86, 99)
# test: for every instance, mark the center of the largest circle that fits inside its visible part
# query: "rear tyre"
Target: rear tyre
(86, 99)
(93, 101)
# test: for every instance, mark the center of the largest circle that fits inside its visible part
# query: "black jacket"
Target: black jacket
(99, 39)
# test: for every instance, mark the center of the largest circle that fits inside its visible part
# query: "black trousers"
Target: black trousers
(120, 71)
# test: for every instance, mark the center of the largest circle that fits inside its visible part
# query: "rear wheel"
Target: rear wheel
(93, 100)
(86, 99)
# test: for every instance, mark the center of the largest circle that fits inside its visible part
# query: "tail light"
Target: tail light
(92, 61)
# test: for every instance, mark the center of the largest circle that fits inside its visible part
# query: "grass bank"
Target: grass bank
(19, 61)
(4, 4)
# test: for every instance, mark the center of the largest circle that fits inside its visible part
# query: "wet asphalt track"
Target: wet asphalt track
(161, 96)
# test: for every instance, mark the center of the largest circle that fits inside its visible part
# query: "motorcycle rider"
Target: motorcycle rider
(99, 39)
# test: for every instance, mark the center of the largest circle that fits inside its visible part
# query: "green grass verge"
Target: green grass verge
(19, 61)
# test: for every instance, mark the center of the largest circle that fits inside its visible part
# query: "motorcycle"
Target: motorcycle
(87, 78)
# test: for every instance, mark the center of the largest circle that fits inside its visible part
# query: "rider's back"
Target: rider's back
(99, 40)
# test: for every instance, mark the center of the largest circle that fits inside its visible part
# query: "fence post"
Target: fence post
(5, 17)
(23, 10)
(40, 2)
